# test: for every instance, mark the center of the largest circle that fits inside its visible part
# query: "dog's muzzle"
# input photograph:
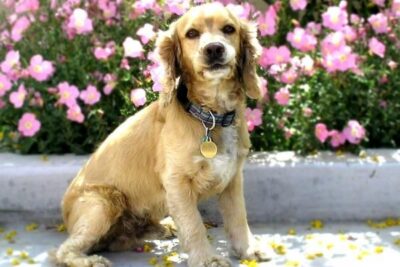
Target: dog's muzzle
(214, 54)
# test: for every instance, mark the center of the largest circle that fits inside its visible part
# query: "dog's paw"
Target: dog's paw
(254, 251)
(212, 261)
(169, 228)
(90, 261)
(97, 261)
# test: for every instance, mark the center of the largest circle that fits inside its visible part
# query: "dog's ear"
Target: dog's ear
(250, 52)
(168, 51)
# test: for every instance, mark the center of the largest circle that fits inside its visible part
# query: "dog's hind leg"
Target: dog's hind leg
(89, 220)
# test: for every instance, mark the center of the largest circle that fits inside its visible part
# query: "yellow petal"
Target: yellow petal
(353, 246)
(61, 228)
(31, 227)
(153, 261)
(290, 263)
(23, 255)
(317, 224)
(292, 231)
(362, 254)
(31, 261)
(9, 251)
(378, 249)
(363, 154)
(147, 248)
(15, 262)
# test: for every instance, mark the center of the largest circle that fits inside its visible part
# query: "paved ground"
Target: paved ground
(339, 245)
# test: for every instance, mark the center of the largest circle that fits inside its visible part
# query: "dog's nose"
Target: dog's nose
(214, 51)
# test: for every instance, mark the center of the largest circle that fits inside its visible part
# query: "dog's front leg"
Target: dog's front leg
(232, 207)
(182, 205)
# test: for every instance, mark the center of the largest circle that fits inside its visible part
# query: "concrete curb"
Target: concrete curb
(279, 187)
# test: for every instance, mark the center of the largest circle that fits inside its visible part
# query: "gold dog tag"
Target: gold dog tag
(208, 149)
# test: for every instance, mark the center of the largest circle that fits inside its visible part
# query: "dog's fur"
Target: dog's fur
(151, 165)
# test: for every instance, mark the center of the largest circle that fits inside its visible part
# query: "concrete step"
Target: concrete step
(334, 245)
(279, 187)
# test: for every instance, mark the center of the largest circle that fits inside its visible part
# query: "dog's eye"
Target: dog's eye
(228, 29)
(192, 34)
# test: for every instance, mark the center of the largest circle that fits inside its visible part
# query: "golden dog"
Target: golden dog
(151, 165)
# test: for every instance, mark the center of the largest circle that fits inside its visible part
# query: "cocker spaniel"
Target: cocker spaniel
(189, 145)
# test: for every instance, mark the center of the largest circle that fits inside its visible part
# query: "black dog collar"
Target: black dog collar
(199, 113)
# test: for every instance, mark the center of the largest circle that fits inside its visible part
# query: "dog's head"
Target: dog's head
(209, 44)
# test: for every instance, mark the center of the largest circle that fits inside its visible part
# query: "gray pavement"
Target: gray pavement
(339, 245)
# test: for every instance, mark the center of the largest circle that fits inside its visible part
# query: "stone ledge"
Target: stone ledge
(278, 186)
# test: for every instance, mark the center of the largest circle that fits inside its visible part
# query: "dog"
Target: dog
(188, 145)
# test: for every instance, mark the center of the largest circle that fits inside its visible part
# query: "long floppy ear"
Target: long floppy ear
(168, 51)
(249, 55)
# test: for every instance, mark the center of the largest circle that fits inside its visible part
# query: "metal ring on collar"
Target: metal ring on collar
(213, 125)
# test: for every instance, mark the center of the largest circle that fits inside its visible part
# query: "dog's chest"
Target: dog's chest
(223, 165)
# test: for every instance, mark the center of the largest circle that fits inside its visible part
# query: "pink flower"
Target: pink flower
(178, 7)
(18, 98)
(253, 118)
(146, 33)
(377, 47)
(313, 28)
(341, 59)
(282, 96)
(337, 138)
(301, 40)
(19, 27)
(156, 73)
(26, 5)
(105, 53)
(125, 64)
(275, 55)
(141, 6)
(298, 4)
(321, 132)
(355, 19)
(74, 113)
(138, 97)
(40, 69)
(379, 23)
(102, 53)
(67, 94)
(264, 89)
(109, 10)
(132, 48)
(354, 132)
(334, 18)
(332, 42)
(350, 33)
(396, 7)
(307, 65)
(243, 10)
(11, 62)
(111, 82)
(267, 22)
(2, 103)
(392, 64)
(28, 125)
(90, 96)
(79, 22)
(289, 76)
(5, 84)
(343, 4)
(380, 3)
(307, 112)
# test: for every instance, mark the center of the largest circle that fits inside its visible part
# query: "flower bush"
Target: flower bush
(71, 71)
